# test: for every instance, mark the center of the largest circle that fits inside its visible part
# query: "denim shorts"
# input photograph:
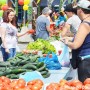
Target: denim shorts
(8, 55)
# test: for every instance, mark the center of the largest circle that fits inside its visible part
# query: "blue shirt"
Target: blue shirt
(41, 23)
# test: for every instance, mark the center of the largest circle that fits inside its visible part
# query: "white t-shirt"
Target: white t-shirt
(74, 23)
(1, 20)
(11, 35)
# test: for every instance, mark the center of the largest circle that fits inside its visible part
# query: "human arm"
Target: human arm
(3, 35)
(79, 38)
(49, 30)
(22, 34)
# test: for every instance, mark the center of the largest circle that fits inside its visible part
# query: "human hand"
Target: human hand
(64, 40)
(7, 50)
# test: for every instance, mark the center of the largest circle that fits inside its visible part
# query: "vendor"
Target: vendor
(43, 25)
(73, 22)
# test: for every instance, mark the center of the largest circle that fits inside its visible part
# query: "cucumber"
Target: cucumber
(32, 58)
(23, 62)
(46, 75)
(4, 64)
(12, 76)
(18, 54)
(42, 68)
(29, 66)
(17, 71)
(17, 62)
(22, 57)
(2, 68)
(44, 72)
(7, 72)
(1, 73)
(40, 64)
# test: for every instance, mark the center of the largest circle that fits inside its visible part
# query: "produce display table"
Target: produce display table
(57, 75)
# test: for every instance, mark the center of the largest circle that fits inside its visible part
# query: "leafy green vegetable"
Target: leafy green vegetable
(42, 45)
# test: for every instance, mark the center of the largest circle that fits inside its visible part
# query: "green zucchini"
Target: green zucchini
(2, 68)
(17, 62)
(46, 75)
(29, 66)
(42, 68)
(4, 64)
(7, 72)
(12, 76)
(17, 71)
(44, 72)
(1, 73)
(22, 57)
(18, 54)
(40, 64)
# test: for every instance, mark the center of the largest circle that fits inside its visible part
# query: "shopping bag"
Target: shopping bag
(63, 58)
(52, 63)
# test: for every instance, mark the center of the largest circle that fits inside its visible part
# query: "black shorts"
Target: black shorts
(84, 69)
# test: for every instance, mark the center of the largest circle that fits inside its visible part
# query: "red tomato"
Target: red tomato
(75, 82)
(16, 87)
(86, 87)
(53, 86)
(8, 87)
(79, 85)
(87, 81)
(30, 86)
(21, 83)
(31, 82)
(7, 80)
(2, 87)
(62, 82)
(44, 55)
(13, 83)
(40, 82)
(50, 55)
(2, 78)
(35, 87)
(31, 31)
(26, 88)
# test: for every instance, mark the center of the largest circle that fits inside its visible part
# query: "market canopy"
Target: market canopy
(44, 3)
(55, 2)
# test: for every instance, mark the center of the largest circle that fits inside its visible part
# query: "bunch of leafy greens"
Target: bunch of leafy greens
(42, 45)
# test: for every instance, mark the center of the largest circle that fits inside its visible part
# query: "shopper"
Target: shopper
(81, 43)
(73, 22)
(61, 20)
(1, 20)
(43, 25)
(9, 34)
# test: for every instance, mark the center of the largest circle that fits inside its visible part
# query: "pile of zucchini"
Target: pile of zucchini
(22, 63)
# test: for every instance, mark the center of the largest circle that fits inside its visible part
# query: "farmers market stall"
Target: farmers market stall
(30, 60)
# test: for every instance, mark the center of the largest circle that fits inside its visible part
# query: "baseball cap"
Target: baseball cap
(69, 8)
(84, 4)
(46, 10)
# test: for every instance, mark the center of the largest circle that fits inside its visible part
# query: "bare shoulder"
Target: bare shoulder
(85, 26)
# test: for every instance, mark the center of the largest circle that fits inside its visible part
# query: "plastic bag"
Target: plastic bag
(52, 63)
(29, 76)
(64, 56)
